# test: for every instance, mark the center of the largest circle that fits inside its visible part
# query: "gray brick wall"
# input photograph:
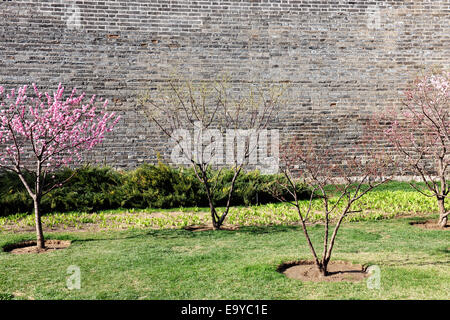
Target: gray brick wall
(343, 59)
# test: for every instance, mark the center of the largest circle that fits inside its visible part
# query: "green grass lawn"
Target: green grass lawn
(179, 264)
(143, 254)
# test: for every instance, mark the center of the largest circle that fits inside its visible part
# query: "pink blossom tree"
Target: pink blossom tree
(43, 132)
(420, 133)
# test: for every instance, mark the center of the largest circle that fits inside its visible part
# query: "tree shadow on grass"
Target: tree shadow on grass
(182, 233)
(266, 229)
(165, 234)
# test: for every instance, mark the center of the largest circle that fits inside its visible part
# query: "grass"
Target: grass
(179, 264)
(143, 263)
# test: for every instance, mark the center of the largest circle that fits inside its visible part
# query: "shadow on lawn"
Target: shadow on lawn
(177, 233)
(266, 229)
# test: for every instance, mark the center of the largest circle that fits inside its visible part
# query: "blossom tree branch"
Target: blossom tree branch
(420, 133)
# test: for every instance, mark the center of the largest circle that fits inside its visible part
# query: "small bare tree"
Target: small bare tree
(212, 109)
(420, 133)
(339, 177)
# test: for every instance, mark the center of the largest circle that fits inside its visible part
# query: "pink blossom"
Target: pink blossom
(56, 130)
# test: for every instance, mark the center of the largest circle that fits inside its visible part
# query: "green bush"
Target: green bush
(90, 189)
(161, 186)
(149, 186)
(251, 188)
(13, 196)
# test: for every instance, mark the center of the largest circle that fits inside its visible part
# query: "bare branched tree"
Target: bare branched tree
(211, 110)
(337, 176)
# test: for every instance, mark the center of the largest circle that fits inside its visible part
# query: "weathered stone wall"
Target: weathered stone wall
(343, 59)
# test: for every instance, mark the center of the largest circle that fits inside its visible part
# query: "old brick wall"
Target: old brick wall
(343, 59)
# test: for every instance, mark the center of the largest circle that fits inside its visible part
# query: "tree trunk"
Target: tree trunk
(216, 222)
(443, 221)
(38, 223)
(324, 270)
(442, 214)
(230, 195)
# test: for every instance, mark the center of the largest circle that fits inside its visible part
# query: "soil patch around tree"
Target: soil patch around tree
(429, 225)
(338, 271)
(30, 246)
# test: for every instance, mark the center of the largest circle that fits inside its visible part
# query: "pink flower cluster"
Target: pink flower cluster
(54, 130)
(439, 83)
(422, 128)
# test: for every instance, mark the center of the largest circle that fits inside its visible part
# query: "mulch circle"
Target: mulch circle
(338, 271)
(30, 246)
(429, 225)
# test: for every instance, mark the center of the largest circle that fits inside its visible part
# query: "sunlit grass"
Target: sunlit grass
(180, 264)
(143, 254)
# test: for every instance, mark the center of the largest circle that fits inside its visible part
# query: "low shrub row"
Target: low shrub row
(149, 186)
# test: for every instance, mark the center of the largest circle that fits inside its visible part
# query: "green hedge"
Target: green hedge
(149, 186)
